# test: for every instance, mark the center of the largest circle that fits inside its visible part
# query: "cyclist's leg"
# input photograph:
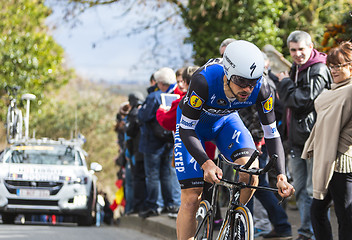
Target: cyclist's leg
(235, 143)
(190, 177)
(186, 221)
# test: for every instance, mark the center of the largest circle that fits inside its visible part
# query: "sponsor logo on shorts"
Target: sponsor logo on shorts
(195, 101)
(243, 152)
(194, 162)
(179, 166)
(236, 135)
(268, 104)
(197, 183)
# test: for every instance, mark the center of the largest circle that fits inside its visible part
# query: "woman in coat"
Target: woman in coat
(330, 144)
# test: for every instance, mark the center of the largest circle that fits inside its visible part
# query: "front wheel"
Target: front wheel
(203, 221)
(88, 218)
(8, 218)
(242, 226)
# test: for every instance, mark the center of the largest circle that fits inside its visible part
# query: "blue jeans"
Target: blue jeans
(128, 188)
(301, 172)
(176, 188)
(276, 213)
(157, 171)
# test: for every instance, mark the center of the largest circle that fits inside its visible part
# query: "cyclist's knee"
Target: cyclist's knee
(190, 198)
(255, 180)
(244, 177)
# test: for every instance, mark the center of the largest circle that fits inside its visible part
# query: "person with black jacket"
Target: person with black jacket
(133, 133)
(308, 77)
(156, 150)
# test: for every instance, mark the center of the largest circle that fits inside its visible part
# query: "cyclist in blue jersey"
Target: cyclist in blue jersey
(208, 112)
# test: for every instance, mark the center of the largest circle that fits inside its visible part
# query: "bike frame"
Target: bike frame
(234, 188)
(14, 118)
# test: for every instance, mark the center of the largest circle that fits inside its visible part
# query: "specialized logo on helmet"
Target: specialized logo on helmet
(253, 67)
(229, 61)
(268, 104)
(195, 101)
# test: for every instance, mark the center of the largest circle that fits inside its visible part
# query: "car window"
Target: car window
(51, 155)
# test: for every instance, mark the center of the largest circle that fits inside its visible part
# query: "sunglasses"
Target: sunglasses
(244, 82)
(338, 67)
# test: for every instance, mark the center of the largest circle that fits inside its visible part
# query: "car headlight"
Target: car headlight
(80, 200)
(81, 180)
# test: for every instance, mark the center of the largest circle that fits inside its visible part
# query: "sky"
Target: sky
(117, 59)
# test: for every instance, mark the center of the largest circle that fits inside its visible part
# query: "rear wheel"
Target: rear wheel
(203, 220)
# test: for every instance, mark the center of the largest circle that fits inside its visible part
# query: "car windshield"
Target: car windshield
(52, 155)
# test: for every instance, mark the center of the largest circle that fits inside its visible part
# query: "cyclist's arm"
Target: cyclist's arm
(191, 110)
(265, 107)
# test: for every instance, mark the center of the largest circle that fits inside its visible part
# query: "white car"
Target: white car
(47, 177)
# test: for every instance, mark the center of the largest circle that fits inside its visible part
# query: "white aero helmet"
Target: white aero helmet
(243, 59)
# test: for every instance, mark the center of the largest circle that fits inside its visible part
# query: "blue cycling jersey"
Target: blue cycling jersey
(217, 102)
(207, 114)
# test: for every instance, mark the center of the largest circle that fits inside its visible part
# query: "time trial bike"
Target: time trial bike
(238, 221)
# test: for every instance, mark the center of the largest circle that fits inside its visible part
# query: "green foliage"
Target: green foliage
(29, 57)
(79, 106)
(259, 21)
(86, 108)
(312, 16)
(210, 22)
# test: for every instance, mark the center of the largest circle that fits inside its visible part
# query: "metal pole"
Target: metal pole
(28, 97)
(26, 122)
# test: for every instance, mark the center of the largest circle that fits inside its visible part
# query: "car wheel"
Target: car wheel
(8, 218)
(88, 218)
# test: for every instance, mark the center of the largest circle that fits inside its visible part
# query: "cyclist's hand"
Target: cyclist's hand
(212, 173)
(285, 189)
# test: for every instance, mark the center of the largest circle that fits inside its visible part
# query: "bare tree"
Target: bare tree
(157, 22)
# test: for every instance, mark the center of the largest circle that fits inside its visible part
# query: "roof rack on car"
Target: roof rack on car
(78, 142)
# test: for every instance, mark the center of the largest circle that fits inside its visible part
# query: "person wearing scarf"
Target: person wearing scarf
(330, 143)
(308, 77)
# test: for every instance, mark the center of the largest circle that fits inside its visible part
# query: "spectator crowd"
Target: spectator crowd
(313, 103)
